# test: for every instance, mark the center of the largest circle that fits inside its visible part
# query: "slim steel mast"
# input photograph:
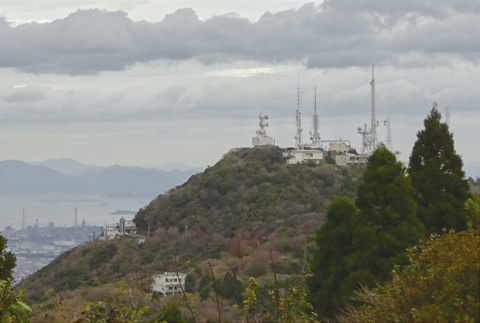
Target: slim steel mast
(298, 135)
(373, 126)
(369, 136)
(315, 136)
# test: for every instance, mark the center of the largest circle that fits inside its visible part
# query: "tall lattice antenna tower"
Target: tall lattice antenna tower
(315, 136)
(23, 219)
(298, 117)
(76, 218)
(373, 126)
(369, 136)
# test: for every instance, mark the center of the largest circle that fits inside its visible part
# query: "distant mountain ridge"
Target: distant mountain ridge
(71, 177)
(18, 177)
(66, 166)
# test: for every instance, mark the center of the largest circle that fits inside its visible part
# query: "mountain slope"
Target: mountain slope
(247, 186)
(247, 209)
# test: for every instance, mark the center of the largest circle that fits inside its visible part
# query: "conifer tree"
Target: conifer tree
(435, 170)
(386, 224)
(362, 247)
(334, 241)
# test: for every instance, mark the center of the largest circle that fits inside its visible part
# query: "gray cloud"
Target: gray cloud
(333, 34)
(24, 94)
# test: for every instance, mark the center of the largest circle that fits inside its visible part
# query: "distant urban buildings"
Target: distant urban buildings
(35, 246)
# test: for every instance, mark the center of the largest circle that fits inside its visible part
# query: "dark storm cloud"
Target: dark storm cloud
(333, 34)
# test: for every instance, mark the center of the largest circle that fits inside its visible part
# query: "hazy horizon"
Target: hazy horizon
(147, 83)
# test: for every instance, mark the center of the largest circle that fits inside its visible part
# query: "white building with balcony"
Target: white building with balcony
(168, 283)
(303, 156)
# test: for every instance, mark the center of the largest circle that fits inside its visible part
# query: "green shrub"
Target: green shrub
(257, 270)
(71, 279)
(103, 254)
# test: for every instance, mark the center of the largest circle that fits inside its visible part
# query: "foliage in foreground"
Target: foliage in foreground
(12, 307)
(290, 305)
(441, 284)
(102, 312)
(7, 260)
(362, 247)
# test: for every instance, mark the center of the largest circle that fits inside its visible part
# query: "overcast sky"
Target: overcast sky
(137, 83)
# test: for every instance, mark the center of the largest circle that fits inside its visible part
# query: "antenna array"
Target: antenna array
(369, 136)
(315, 136)
(298, 117)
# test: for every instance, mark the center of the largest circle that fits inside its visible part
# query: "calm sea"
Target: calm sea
(60, 209)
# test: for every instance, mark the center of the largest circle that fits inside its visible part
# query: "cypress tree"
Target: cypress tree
(334, 241)
(435, 170)
(386, 224)
(362, 247)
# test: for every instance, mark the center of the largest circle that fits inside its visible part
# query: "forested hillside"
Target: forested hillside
(243, 232)
(239, 216)
(250, 189)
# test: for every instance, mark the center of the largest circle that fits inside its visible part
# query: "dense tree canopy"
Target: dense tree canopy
(329, 265)
(362, 247)
(386, 224)
(441, 284)
(436, 174)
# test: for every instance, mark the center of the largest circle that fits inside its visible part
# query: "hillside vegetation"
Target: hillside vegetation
(238, 216)
(249, 189)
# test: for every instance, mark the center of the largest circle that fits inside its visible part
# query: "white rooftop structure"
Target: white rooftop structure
(351, 159)
(296, 156)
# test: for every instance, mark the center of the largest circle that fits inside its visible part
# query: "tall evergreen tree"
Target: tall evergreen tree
(435, 170)
(362, 247)
(334, 241)
(386, 224)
